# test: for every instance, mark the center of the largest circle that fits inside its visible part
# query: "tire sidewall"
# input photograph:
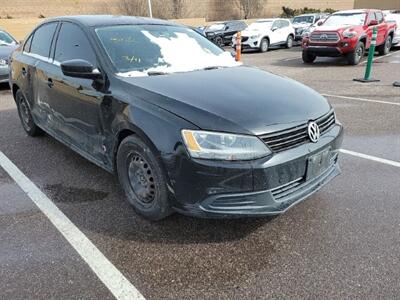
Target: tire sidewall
(160, 207)
(289, 42)
(30, 128)
(264, 42)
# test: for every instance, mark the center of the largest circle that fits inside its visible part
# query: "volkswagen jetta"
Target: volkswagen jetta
(184, 126)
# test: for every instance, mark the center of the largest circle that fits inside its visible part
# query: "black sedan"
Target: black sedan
(185, 127)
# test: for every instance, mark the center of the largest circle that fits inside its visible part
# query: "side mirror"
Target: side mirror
(80, 68)
(227, 27)
(373, 23)
(320, 23)
(274, 28)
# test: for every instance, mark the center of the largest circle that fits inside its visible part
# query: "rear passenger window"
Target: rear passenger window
(72, 43)
(42, 39)
(27, 46)
(379, 17)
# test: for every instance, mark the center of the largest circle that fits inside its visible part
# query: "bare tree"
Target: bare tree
(133, 7)
(250, 8)
(164, 9)
(178, 8)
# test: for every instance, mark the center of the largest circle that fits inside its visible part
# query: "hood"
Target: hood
(241, 99)
(5, 51)
(338, 28)
(251, 32)
(301, 25)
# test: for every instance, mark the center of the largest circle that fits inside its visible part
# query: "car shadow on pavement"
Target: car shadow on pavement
(319, 63)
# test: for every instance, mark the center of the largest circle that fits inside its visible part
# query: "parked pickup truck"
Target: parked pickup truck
(349, 34)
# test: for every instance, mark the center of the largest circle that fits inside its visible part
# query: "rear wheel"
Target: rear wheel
(25, 115)
(385, 48)
(264, 45)
(289, 42)
(355, 57)
(142, 178)
(308, 58)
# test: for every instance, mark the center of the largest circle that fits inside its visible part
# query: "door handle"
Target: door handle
(50, 82)
(23, 72)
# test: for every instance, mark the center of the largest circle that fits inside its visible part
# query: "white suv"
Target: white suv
(266, 33)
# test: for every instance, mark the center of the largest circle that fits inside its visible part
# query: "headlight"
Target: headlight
(3, 62)
(223, 146)
(349, 34)
(255, 36)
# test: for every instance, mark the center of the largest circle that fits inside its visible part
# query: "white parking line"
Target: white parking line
(112, 278)
(380, 57)
(373, 158)
(361, 99)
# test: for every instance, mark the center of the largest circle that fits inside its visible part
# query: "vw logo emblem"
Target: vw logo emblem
(313, 132)
(323, 37)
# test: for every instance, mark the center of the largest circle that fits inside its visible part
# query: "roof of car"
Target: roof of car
(354, 11)
(104, 20)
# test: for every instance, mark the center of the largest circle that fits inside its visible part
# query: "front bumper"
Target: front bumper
(264, 187)
(248, 43)
(396, 39)
(4, 74)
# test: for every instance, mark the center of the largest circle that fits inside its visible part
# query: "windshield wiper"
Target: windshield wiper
(213, 68)
(156, 73)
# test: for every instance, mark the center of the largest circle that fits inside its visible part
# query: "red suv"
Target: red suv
(349, 34)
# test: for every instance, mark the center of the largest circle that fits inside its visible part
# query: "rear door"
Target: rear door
(382, 28)
(76, 101)
(36, 63)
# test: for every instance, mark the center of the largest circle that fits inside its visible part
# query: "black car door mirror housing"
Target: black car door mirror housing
(80, 68)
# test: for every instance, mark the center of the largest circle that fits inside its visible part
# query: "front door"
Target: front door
(76, 101)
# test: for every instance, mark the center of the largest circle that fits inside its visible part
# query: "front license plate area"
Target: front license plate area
(318, 164)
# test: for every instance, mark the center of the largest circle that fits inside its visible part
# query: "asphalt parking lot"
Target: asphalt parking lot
(342, 243)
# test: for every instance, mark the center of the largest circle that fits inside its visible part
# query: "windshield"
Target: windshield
(346, 19)
(303, 19)
(5, 38)
(141, 50)
(259, 25)
(216, 27)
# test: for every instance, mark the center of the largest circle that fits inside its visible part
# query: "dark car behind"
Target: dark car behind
(221, 33)
(7, 45)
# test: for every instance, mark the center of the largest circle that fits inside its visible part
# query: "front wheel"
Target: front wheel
(308, 58)
(219, 41)
(289, 42)
(354, 58)
(141, 175)
(25, 115)
(385, 48)
(264, 45)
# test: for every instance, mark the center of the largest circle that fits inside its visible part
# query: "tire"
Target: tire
(24, 113)
(142, 178)
(264, 45)
(355, 57)
(219, 41)
(289, 42)
(385, 48)
(308, 58)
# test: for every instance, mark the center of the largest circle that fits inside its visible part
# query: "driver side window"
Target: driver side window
(72, 43)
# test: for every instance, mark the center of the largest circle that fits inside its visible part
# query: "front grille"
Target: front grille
(244, 39)
(296, 136)
(324, 37)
